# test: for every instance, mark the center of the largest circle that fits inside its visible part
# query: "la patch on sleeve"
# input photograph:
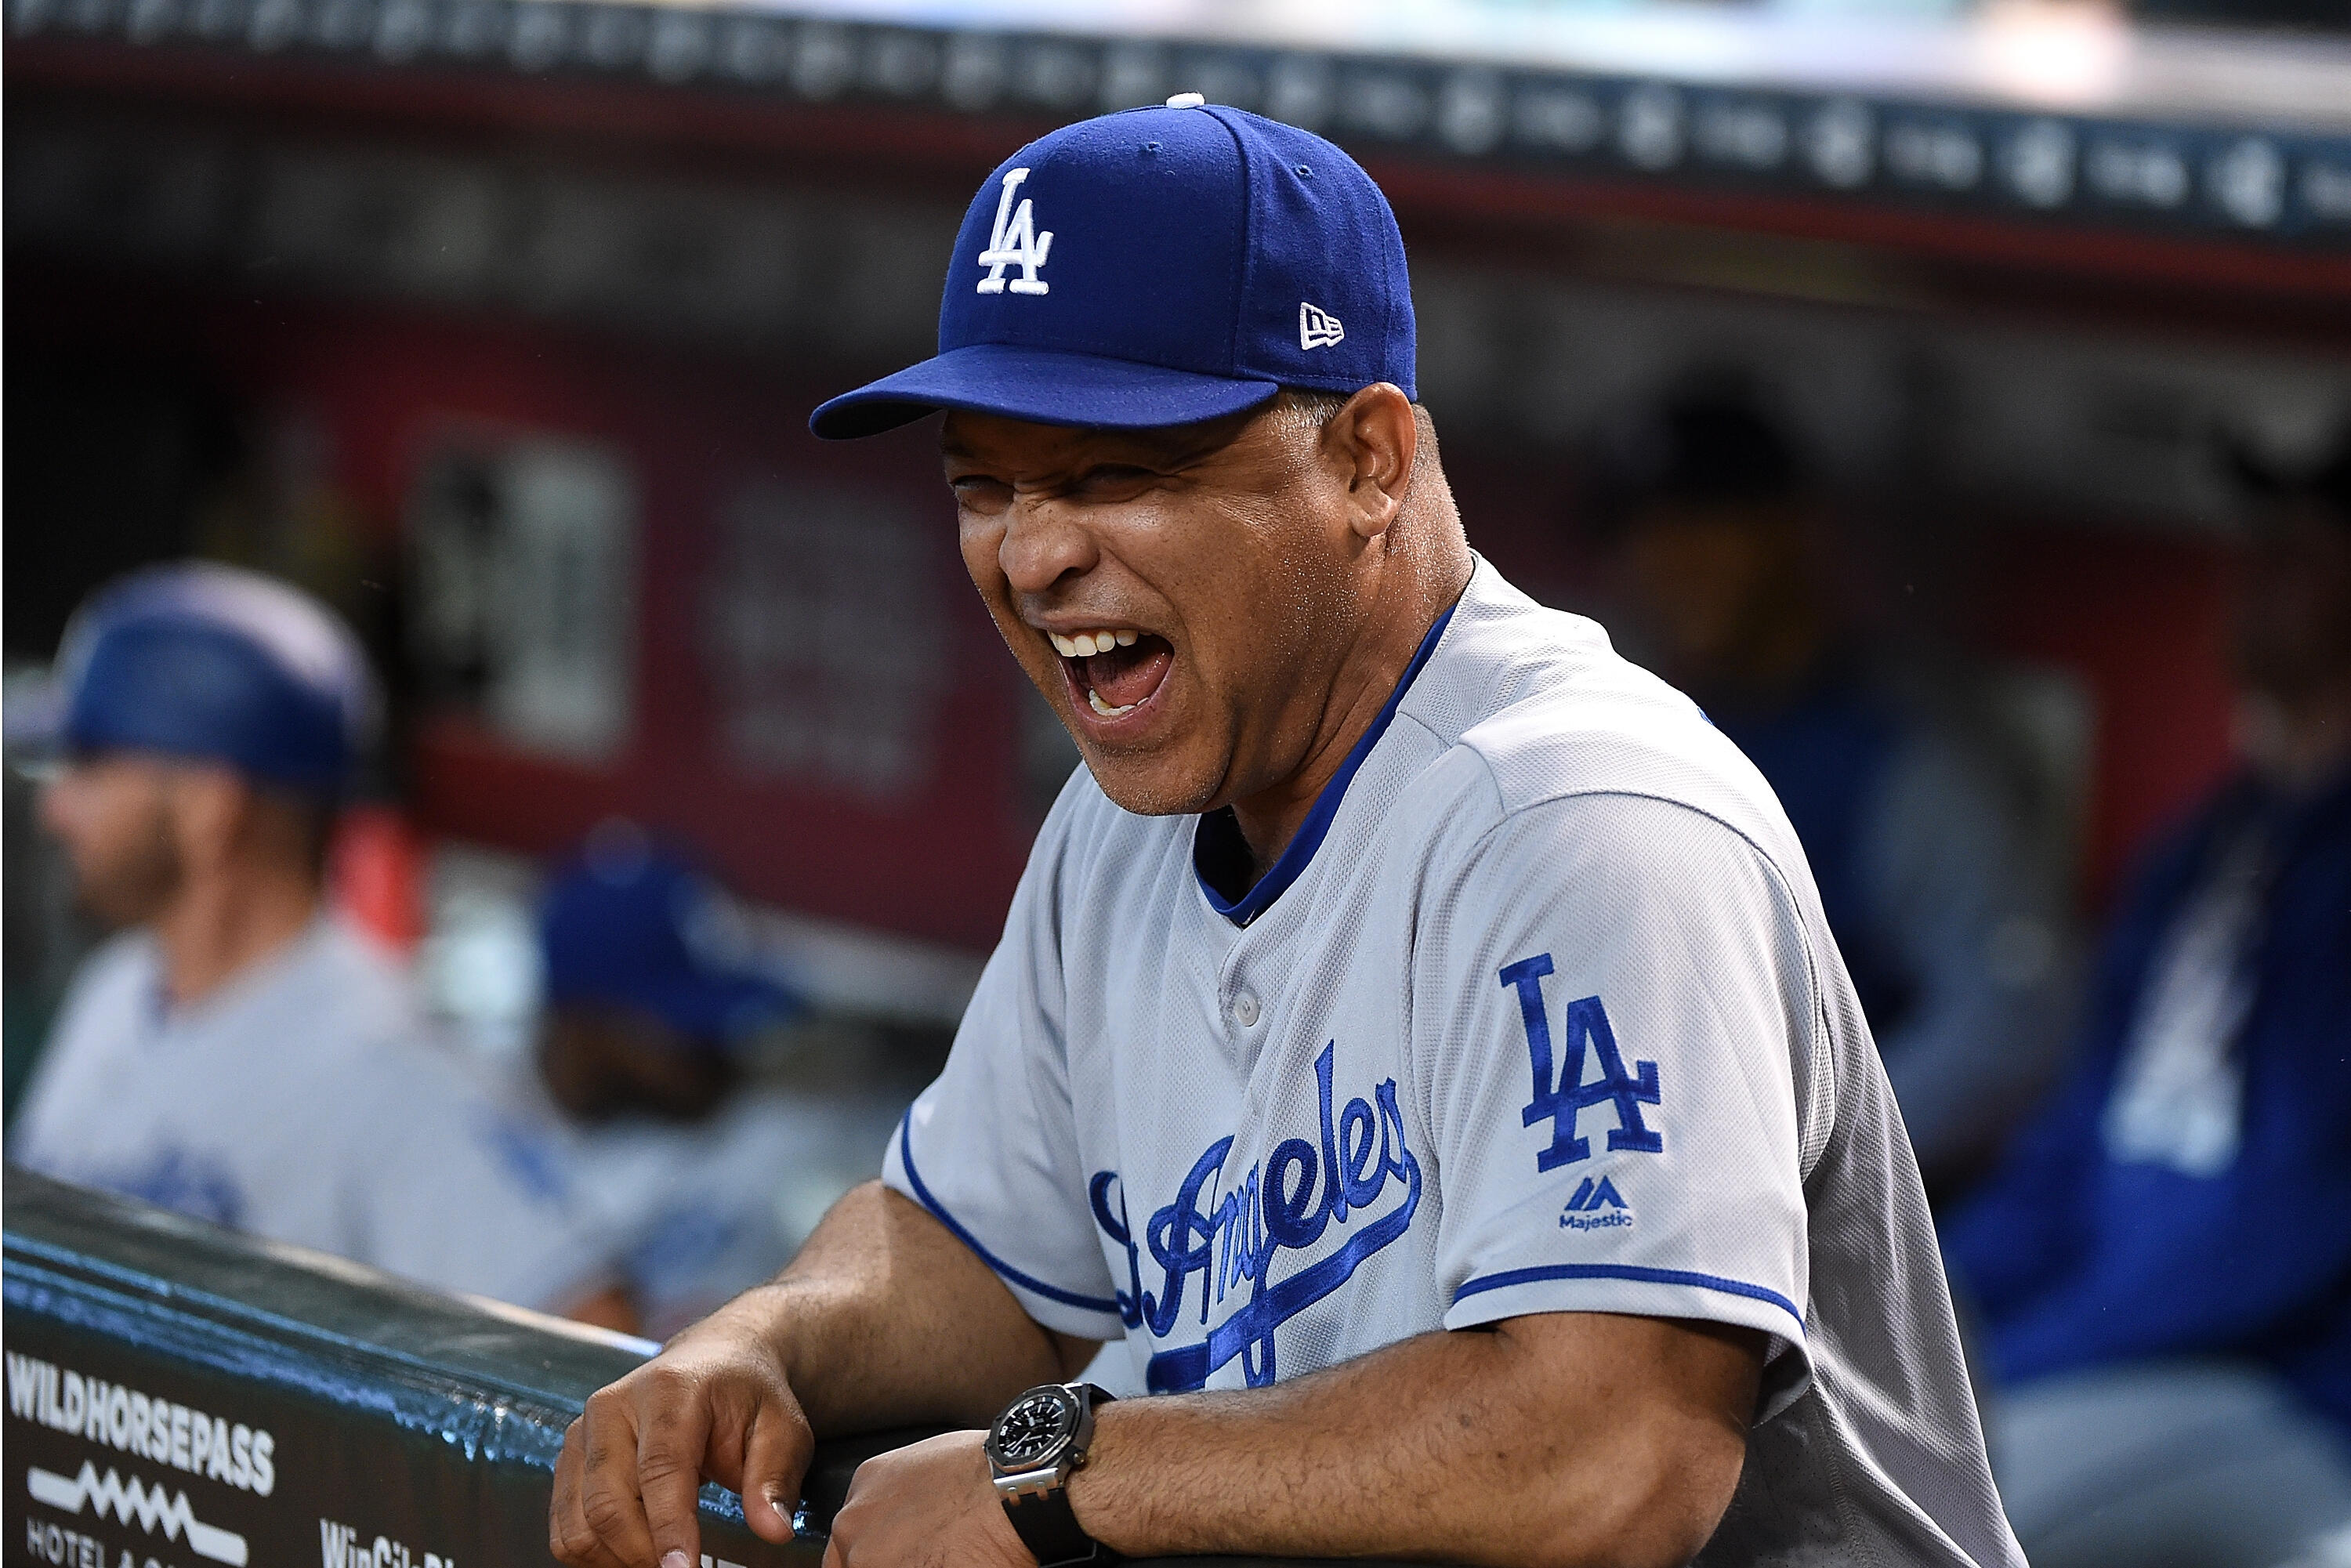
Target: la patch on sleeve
(1561, 1099)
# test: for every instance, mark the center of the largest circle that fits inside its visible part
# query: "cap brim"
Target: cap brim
(1044, 386)
(716, 1010)
(32, 714)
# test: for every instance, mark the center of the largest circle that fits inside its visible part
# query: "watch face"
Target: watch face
(1029, 1433)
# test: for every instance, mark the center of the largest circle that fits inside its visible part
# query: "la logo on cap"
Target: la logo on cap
(1015, 242)
(1317, 327)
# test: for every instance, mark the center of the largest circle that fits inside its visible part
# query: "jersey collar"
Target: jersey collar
(1216, 843)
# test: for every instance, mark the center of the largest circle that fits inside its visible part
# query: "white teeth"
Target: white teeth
(1086, 644)
(1093, 698)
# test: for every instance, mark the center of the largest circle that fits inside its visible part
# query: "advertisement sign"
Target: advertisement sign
(180, 1397)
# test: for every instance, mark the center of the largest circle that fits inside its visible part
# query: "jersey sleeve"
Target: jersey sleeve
(1610, 991)
(991, 1147)
(64, 1114)
(468, 1192)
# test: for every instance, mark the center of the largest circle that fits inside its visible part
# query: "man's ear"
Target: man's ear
(1375, 438)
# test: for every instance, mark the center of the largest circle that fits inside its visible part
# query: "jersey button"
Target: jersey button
(1245, 1010)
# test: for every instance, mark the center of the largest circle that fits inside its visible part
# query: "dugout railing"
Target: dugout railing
(181, 1396)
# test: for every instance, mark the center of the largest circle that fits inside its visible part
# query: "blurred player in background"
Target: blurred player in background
(236, 1051)
(1946, 902)
(651, 1000)
(2165, 1257)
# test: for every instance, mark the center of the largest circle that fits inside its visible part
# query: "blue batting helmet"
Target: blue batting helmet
(205, 661)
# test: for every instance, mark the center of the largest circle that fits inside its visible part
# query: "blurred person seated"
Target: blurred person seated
(1949, 917)
(652, 997)
(2164, 1259)
(236, 1051)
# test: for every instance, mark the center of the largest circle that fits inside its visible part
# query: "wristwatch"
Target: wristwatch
(1035, 1447)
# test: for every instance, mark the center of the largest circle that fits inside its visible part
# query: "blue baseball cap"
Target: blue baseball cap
(203, 660)
(1158, 266)
(624, 923)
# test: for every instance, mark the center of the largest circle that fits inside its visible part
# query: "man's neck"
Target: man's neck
(219, 928)
(1270, 818)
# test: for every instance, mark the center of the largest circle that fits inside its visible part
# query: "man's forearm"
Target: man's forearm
(884, 1319)
(1463, 1447)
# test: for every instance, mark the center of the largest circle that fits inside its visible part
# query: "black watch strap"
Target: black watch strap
(1042, 1516)
(1048, 1528)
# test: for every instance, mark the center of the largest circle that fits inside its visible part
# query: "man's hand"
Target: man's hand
(930, 1505)
(716, 1403)
(884, 1319)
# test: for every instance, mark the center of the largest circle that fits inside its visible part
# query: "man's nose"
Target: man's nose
(1043, 543)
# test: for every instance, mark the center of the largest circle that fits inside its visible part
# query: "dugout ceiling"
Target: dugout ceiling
(2039, 135)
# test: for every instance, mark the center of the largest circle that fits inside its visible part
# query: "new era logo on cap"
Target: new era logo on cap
(1317, 327)
(1159, 266)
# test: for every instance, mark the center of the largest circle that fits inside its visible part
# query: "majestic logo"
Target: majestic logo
(1015, 242)
(1238, 1240)
(1560, 1102)
(1596, 1206)
(134, 1501)
(1317, 327)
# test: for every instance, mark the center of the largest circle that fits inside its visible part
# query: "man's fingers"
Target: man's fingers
(775, 1462)
(669, 1448)
(629, 1482)
(609, 1506)
(843, 1534)
(563, 1501)
(569, 1536)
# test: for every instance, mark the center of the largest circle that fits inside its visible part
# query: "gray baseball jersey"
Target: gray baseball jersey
(308, 1102)
(1538, 1013)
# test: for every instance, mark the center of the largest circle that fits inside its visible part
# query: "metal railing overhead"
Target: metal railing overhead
(2179, 133)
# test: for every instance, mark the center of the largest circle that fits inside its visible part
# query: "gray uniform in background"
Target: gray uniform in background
(306, 1102)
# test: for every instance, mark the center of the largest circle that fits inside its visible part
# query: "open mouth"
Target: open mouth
(1113, 671)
